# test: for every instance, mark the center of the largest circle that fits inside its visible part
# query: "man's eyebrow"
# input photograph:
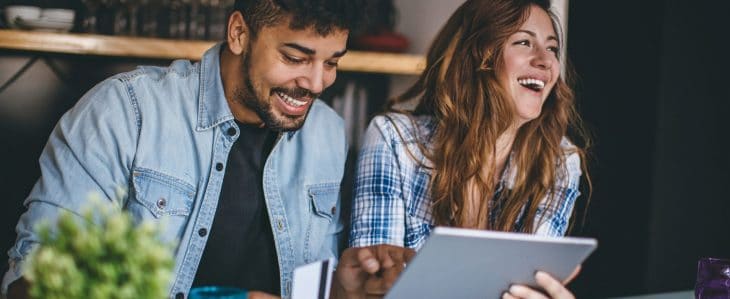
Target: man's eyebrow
(309, 51)
(339, 53)
(301, 48)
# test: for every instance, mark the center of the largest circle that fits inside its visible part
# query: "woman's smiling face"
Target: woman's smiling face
(530, 66)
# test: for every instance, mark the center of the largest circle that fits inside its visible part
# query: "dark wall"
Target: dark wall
(26, 118)
(691, 192)
(616, 52)
(651, 86)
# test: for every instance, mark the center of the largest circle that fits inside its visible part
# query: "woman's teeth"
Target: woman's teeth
(533, 84)
(291, 101)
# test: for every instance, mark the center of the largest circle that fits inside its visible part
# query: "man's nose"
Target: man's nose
(312, 79)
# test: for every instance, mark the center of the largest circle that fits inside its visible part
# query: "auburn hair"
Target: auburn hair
(459, 89)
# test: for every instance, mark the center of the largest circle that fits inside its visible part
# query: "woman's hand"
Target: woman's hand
(554, 288)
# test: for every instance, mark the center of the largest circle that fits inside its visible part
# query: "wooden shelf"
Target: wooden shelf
(140, 47)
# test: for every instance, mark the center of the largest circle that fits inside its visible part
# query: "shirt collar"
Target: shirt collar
(212, 106)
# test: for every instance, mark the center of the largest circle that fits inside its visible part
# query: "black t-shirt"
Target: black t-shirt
(240, 250)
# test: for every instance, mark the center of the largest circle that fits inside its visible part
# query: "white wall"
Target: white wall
(420, 20)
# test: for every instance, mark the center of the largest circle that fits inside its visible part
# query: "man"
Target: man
(234, 153)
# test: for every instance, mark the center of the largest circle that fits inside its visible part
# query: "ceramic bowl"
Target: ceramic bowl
(13, 13)
(58, 14)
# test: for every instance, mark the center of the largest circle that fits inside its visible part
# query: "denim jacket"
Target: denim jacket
(165, 134)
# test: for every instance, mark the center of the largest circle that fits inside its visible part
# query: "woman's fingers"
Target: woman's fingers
(552, 286)
(507, 295)
(553, 289)
(573, 275)
(520, 291)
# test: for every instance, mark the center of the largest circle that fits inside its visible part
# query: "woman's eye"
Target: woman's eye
(555, 50)
(523, 43)
(332, 63)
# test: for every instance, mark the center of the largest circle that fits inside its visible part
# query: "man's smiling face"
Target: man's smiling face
(286, 70)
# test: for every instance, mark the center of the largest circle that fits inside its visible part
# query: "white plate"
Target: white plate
(58, 14)
(45, 24)
(14, 12)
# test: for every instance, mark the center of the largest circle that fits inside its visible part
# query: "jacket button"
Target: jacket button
(219, 166)
(280, 224)
(333, 210)
(161, 203)
(231, 131)
(180, 296)
(202, 232)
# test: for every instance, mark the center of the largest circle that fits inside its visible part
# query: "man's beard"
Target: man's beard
(263, 108)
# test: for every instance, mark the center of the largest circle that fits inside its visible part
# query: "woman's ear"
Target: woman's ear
(237, 34)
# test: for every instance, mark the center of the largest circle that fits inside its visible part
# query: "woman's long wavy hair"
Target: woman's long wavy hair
(459, 89)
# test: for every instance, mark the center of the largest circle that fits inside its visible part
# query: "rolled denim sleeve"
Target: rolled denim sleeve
(378, 211)
(90, 151)
(553, 217)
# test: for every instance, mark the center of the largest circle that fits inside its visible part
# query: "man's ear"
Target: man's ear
(238, 34)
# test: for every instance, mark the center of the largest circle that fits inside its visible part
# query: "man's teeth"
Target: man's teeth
(291, 101)
(534, 84)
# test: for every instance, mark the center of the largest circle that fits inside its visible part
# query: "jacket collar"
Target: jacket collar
(212, 105)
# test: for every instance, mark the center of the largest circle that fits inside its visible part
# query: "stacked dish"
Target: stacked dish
(33, 17)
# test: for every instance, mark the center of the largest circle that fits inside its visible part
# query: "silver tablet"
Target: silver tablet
(466, 263)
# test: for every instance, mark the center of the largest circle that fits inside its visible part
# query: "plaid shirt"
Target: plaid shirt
(392, 202)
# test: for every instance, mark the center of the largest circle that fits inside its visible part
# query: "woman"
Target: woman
(486, 145)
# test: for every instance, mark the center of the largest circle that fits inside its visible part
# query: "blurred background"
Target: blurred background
(650, 86)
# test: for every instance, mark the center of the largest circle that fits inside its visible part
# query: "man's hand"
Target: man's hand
(261, 295)
(370, 271)
(18, 289)
(554, 288)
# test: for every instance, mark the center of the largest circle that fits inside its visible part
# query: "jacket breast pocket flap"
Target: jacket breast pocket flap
(163, 194)
(324, 199)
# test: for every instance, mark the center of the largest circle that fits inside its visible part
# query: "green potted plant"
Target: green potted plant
(101, 254)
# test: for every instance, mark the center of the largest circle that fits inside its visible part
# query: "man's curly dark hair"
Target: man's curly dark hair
(325, 16)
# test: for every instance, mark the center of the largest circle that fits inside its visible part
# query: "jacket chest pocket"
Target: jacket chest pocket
(162, 199)
(324, 225)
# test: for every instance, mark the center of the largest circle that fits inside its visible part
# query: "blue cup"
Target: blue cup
(215, 292)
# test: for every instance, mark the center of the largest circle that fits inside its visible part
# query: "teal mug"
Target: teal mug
(215, 292)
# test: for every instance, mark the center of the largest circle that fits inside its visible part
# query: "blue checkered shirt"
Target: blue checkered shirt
(392, 202)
